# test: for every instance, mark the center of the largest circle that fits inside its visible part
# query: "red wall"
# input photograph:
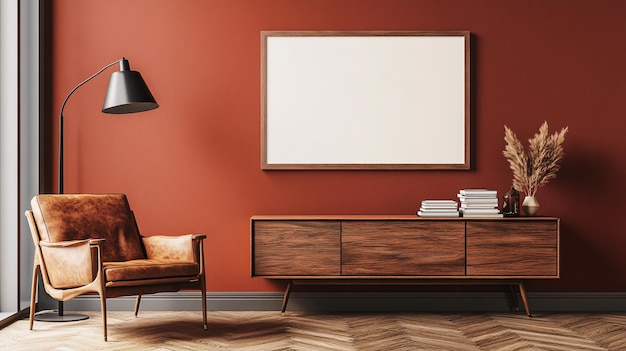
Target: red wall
(193, 165)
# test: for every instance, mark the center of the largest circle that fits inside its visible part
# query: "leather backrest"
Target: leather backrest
(63, 217)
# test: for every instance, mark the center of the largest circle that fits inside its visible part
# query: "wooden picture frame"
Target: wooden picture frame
(365, 100)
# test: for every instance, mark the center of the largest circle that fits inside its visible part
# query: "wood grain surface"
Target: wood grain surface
(296, 248)
(268, 331)
(403, 248)
(512, 248)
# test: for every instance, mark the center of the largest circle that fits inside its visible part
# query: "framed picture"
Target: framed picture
(365, 100)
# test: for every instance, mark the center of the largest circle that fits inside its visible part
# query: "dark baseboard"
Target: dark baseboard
(361, 302)
(19, 315)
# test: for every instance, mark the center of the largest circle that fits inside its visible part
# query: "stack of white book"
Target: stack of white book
(479, 203)
(439, 208)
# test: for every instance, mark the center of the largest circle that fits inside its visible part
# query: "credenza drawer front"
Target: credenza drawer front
(403, 248)
(524, 248)
(296, 248)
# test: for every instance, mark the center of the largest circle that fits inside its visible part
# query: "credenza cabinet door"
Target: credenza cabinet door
(396, 248)
(302, 248)
(512, 248)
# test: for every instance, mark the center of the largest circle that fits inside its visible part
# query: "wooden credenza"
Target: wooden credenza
(373, 248)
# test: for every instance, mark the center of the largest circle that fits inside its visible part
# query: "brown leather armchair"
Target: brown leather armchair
(90, 244)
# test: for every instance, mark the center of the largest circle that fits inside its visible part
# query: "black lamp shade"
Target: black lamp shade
(128, 93)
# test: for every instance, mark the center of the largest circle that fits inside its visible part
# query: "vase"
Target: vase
(530, 205)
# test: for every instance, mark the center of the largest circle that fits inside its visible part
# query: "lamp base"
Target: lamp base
(56, 317)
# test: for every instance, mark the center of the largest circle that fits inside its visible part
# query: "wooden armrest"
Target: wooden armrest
(96, 242)
(61, 244)
(198, 236)
(71, 243)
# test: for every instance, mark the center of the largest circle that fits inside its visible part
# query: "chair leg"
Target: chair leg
(103, 307)
(137, 302)
(204, 319)
(33, 294)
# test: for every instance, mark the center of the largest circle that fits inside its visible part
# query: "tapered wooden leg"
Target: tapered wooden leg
(137, 302)
(522, 291)
(103, 307)
(33, 294)
(204, 319)
(286, 297)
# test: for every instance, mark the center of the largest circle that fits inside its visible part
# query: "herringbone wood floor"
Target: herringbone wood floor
(164, 331)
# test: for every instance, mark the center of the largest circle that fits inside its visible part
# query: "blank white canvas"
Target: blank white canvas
(365, 100)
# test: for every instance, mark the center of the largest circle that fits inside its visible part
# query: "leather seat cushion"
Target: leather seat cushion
(148, 269)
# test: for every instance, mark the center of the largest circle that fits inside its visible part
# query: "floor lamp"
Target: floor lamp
(127, 93)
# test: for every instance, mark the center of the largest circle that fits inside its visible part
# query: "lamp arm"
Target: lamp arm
(85, 81)
(60, 189)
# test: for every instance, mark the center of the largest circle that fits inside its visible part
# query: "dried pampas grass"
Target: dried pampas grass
(539, 166)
